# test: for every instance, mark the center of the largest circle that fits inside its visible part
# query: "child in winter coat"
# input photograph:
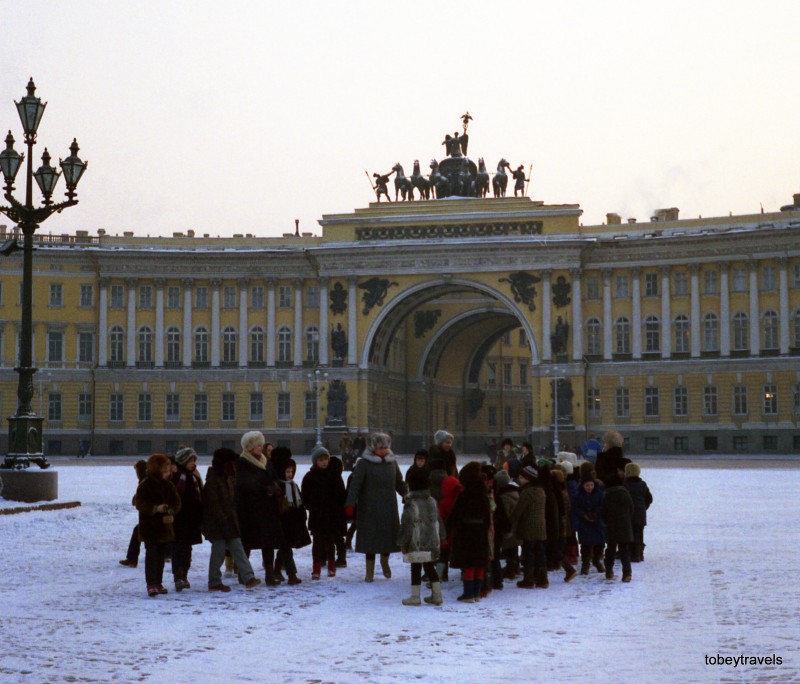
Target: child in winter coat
(221, 524)
(585, 519)
(616, 510)
(449, 489)
(131, 559)
(529, 523)
(189, 521)
(503, 535)
(157, 501)
(295, 533)
(642, 498)
(420, 464)
(324, 497)
(558, 484)
(507, 496)
(420, 536)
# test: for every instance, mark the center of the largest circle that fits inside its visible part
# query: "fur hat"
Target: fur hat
(378, 440)
(567, 467)
(141, 469)
(587, 471)
(632, 470)
(252, 439)
(567, 456)
(529, 473)
(319, 452)
(502, 478)
(155, 463)
(223, 456)
(441, 436)
(184, 455)
(557, 475)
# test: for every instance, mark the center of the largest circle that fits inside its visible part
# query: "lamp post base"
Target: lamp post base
(25, 443)
(29, 486)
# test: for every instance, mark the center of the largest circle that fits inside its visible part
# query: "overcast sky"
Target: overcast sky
(236, 117)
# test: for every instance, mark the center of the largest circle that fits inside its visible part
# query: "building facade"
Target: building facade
(486, 317)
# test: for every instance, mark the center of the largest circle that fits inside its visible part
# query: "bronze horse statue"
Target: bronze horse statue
(500, 180)
(420, 183)
(482, 181)
(438, 181)
(402, 184)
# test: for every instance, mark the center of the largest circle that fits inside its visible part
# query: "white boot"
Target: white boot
(413, 600)
(436, 594)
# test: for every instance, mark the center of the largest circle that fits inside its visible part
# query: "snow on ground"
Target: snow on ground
(719, 579)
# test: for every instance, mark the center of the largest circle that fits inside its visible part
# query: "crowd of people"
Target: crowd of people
(516, 514)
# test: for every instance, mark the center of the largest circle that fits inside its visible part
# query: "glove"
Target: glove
(349, 512)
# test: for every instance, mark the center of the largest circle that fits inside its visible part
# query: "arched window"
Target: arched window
(116, 347)
(257, 345)
(145, 340)
(593, 338)
(173, 345)
(622, 329)
(652, 334)
(770, 321)
(681, 328)
(201, 345)
(229, 351)
(741, 331)
(710, 332)
(284, 344)
(312, 344)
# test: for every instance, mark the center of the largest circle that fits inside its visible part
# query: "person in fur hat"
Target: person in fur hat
(616, 509)
(505, 453)
(221, 524)
(608, 460)
(189, 521)
(442, 448)
(642, 498)
(586, 521)
(131, 559)
(157, 501)
(529, 522)
(324, 496)
(293, 520)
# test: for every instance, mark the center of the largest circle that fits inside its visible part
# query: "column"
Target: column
(755, 320)
(666, 315)
(243, 332)
(784, 306)
(324, 339)
(636, 323)
(102, 332)
(352, 322)
(298, 321)
(695, 311)
(547, 350)
(271, 322)
(724, 311)
(608, 323)
(577, 316)
(159, 340)
(131, 332)
(187, 322)
(215, 285)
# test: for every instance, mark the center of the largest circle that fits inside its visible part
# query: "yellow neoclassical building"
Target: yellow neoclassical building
(485, 317)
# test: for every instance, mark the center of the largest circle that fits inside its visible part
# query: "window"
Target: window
(117, 297)
(710, 443)
(228, 297)
(492, 416)
(229, 345)
(312, 297)
(144, 413)
(622, 402)
(145, 342)
(739, 400)
(593, 337)
(145, 297)
(796, 275)
(741, 331)
(770, 442)
(680, 284)
(144, 446)
(592, 288)
(680, 401)
(55, 347)
(710, 333)
(739, 280)
(651, 402)
(85, 407)
(312, 344)
(769, 281)
(681, 443)
(56, 294)
(710, 286)
(740, 443)
(116, 347)
(256, 407)
(284, 406)
(201, 297)
(257, 297)
(652, 443)
(284, 344)
(651, 284)
(523, 373)
(173, 345)
(506, 373)
(652, 334)
(85, 347)
(508, 416)
(770, 320)
(228, 406)
(491, 373)
(621, 289)
(116, 405)
(770, 400)
(201, 345)
(172, 406)
(54, 406)
(710, 400)
(173, 297)
(507, 338)
(593, 402)
(796, 399)
(796, 329)
(87, 296)
(201, 408)
(681, 328)
(257, 345)
(310, 409)
(523, 340)
(623, 334)
(285, 297)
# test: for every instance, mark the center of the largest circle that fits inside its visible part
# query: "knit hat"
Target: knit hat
(184, 455)
(529, 473)
(441, 436)
(378, 440)
(567, 467)
(319, 452)
(632, 470)
(502, 478)
(252, 439)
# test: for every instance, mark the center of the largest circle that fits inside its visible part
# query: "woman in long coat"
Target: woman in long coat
(375, 482)
(258, 503)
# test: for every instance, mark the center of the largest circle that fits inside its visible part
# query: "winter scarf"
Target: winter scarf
(258, 463)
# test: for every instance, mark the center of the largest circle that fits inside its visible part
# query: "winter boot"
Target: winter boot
(626, 578)
(278, 574)
(599, 565)
(341, 561)
(269, 577)
(331, 568)
(252, 583)
(440, 568)
(569, 570)
(541, 579)
(387, 571)
(316, 571)
(435, 598)
(128, 563)
(477, 592)
(468, 596)
(294, 579)
(528, 581)
(370, 570)
(597, 559)
(224, 588)
(152, 590)
(413, 600)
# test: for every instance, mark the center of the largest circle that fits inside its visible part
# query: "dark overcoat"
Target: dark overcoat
(151, 493)
(642, 498)
(529, 518)
(294, 519)
(324, 496)
(608, 462)
(189, 521)
(257, 505)
(585, 516)
(469, 523)
(616, 510)
(219, 507)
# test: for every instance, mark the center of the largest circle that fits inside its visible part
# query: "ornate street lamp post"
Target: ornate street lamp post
(25, 427)
(315, 381)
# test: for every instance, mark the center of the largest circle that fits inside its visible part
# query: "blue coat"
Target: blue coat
(585, 505)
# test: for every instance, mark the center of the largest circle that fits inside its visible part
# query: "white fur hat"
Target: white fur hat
(441, 436)
(252, 439)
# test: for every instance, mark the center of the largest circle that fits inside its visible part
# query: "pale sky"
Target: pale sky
(240, 117)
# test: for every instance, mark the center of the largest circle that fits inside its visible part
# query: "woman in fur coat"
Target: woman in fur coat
(189, 522)
(324, 496)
